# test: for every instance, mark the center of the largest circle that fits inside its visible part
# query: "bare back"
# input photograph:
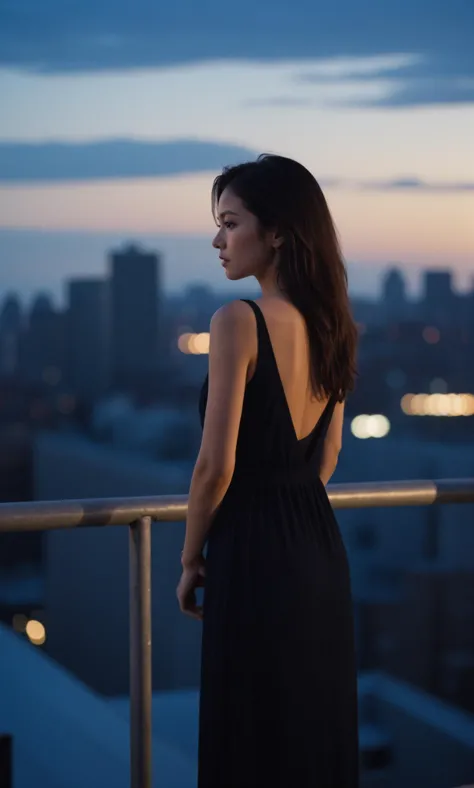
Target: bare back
(290, 342)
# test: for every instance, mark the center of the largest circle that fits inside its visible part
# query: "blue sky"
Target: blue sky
(116, 118)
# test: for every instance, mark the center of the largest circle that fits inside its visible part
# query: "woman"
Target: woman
(278, 704)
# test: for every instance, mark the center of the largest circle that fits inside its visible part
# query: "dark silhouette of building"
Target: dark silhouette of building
(134, 318)
(438, 298)
(10, 332)
(394, 296)
(88, 362)
(43, 346)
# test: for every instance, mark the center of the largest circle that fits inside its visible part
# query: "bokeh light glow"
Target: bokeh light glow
(194, 344)
(438, 404)
(36, 632)
(365, 426)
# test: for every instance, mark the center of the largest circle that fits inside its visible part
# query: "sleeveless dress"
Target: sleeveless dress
(278, 697)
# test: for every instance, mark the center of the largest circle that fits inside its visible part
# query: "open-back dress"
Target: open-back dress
(278, 699)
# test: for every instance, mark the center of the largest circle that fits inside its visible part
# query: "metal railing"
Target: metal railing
(138, 514)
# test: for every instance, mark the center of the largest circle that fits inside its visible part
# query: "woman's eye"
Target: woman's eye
(229, 225)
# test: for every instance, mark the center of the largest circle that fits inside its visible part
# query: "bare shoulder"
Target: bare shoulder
(233, 335)
(235, 317)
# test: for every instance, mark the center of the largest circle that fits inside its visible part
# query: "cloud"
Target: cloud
(54, 162)
(416, 184)
(410, 82)
(425, 92)
(398, 94)
(65, 161)
(55, 36)
(409, 183)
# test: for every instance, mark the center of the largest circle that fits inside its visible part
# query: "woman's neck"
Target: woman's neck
(269, 284)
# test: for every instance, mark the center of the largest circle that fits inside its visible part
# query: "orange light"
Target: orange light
(36, 632)
(183, 342)
(438, 404)
(194, 344)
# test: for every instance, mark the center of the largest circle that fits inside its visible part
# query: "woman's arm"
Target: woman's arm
(231, 340)
(332, 444)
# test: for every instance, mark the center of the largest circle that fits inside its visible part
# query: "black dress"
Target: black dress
(278, 702)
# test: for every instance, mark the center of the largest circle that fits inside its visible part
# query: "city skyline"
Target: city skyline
(30, 281)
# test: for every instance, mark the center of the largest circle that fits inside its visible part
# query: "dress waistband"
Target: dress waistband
(265, 476)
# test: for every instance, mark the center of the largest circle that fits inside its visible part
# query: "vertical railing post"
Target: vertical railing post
(6, 760)
(140, 653)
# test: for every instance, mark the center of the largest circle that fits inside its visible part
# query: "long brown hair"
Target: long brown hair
(285, 196)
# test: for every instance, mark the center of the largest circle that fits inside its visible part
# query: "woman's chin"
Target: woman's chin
(234, 276)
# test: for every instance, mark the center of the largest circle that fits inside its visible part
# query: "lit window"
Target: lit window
(36, 632)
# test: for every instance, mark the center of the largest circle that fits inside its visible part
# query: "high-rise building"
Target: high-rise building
(42, 355)
(134, 318)
(394, 296)
(88, 363)
(438, 286)
(439, 299)
(10, 332)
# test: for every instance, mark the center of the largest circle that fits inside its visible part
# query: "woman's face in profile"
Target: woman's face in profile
(244, 250)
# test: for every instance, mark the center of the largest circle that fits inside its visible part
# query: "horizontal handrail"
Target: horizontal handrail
(137, 514)
(50, 515)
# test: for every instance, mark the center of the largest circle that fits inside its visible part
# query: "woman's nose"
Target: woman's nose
(215, 241)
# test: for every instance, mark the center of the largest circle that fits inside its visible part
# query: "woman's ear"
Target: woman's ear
(277, 240)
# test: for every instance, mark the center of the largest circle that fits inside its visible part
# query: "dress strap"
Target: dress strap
(263, 337)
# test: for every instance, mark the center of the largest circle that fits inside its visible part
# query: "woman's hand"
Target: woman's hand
(192, 577)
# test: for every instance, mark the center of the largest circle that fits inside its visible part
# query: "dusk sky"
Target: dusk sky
(115, 119)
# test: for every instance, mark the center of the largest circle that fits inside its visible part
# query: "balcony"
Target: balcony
(138, 514)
